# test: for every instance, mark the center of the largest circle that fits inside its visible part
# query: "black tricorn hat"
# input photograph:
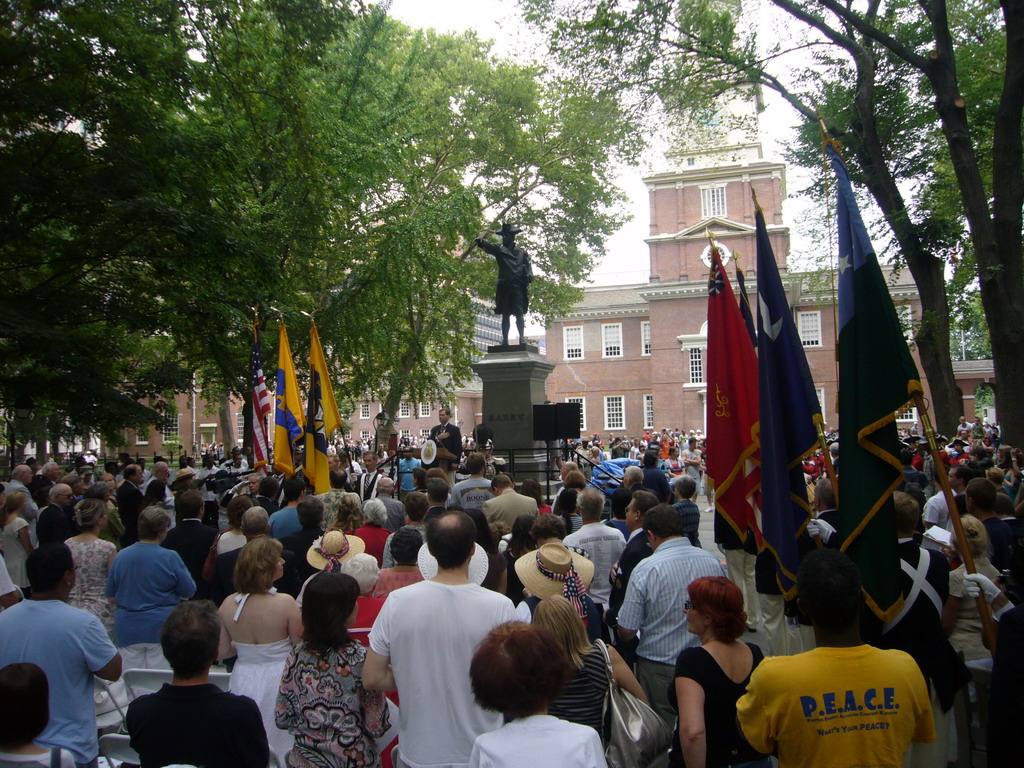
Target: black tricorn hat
(509, 229)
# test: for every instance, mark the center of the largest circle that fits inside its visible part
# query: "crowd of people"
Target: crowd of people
(478, 623)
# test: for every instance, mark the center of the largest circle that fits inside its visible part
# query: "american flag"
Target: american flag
(260, 405)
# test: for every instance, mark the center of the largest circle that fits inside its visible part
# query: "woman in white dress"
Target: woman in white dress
(17, 543)
(260, 626)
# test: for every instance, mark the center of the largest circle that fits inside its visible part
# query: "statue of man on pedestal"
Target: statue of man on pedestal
(514, 276)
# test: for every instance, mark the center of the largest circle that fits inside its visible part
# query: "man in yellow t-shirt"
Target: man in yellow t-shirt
(844, 703)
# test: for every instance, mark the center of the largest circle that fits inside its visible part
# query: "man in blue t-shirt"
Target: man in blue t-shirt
(69, 644)
(406, 465)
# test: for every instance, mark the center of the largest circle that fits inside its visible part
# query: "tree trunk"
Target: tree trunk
(227, 427)
(932, 335)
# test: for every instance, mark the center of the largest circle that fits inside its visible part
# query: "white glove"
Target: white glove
(976, 584)
(820, 529)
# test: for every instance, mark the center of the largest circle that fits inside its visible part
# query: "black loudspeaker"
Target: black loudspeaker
(545, 423)
(569, 419)
(556, 422)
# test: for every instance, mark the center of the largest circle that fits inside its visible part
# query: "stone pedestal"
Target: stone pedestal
(514, 377)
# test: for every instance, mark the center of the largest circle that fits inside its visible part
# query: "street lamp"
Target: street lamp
(380, 422)
(23, 407)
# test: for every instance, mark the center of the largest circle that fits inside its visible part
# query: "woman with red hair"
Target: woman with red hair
(710, 679)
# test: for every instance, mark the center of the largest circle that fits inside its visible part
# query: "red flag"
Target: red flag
(733, 461)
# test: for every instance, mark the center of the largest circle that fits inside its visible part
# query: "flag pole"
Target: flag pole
(988, 629)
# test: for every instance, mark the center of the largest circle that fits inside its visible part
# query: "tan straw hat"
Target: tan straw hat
(332, 548)
(556, 559)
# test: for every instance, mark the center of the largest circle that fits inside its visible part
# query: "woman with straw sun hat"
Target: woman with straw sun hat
(328, 553)
(553, 569)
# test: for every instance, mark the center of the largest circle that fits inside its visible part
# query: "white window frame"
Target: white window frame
(613, 344)
(907, 415)
(696, 365)
(645, 338)
(648, 411)
(240, 426)
(820, 392)
(364, 434)
(171, 433)
(424, 433)
(713, 202)
(609, 424)
(424, 410)
(404, 409)
(406, 434)
(805, 338)
(572, 350)
(141, 438)
(583, 411)
(364, 410)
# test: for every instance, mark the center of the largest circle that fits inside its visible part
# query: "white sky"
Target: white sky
(627, 260)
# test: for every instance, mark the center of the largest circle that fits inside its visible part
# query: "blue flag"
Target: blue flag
(789, 410)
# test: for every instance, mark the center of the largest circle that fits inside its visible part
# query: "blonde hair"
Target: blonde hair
(557, 615)
(15, 502)
(88, 512)
(254, 571)
(996, 476)
(350, 513)
(977, 536)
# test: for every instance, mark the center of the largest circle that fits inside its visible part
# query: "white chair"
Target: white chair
(143, 681)
(117, 746)
(111, 700)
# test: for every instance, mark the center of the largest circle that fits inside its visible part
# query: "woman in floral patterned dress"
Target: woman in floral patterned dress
(322, 701)
(92, 556)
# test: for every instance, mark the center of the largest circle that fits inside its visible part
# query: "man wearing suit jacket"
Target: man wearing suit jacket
(129, 497)
(255, 523)
(637, 549)
(917, 629)
(55, 525)
(448, 437)
(190, 538)
(507, 505)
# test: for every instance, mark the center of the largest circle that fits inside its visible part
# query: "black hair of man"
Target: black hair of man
(982, 492)
(829, 586)
(663, 521)
(906, 457)
(437, 491)
(451, 538)
(189, 504)
(310, 511)
(47, 565)
(650, 459)
(269, 487)
(292, 488)
(405, 546)
(620, 500)
(416, 506)
(189, 638)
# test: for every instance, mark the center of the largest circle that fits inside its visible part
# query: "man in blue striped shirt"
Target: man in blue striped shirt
(655, 602)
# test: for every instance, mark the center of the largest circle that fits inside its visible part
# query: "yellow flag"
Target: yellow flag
(288, 425)
(322, 416)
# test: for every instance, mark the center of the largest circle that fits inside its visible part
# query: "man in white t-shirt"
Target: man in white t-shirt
(422, 644)
(936, 510)
(602, 543)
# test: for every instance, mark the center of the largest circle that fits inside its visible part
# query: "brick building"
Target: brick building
(634, 355)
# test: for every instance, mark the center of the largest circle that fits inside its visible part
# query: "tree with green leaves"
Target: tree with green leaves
(928, 99)
(171, 168)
